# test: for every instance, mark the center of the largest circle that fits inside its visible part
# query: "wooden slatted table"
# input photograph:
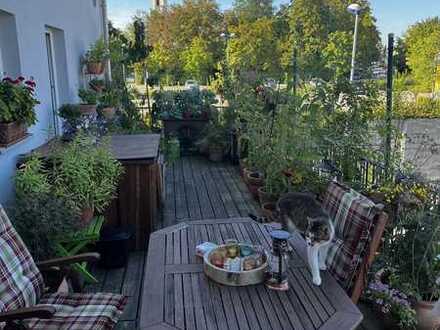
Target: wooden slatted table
(178, 295)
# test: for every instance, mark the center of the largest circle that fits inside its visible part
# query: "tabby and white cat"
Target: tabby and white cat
(300, 212)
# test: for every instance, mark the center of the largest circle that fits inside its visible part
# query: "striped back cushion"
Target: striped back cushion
(21, 283)
(353, 216)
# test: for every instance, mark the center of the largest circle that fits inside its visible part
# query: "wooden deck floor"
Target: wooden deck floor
(195, 189)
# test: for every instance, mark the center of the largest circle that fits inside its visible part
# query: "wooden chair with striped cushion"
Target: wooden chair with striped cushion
(23, 303)
(359, 226)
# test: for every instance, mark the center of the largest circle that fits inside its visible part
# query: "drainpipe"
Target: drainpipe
(108, 67)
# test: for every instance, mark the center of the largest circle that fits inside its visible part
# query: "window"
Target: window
(9, 55)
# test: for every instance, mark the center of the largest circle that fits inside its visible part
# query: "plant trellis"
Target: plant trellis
(74, 243)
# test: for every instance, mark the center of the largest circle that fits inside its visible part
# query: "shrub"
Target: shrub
(41, 219)
(86, 173)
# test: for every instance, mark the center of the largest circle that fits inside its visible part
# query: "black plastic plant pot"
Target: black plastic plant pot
(113, 246)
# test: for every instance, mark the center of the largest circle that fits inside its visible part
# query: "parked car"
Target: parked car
(191, 84)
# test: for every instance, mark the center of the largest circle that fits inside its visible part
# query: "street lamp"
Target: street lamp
(354, 9)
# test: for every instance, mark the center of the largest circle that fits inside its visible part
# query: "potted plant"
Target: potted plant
(392, 306)
(412, 250)
(36, 200)
(89, 99)
(71, 114)
(98, 85)
(109, 102)
(95, 56)
(86, 174)
(217, 142)
(17, 102)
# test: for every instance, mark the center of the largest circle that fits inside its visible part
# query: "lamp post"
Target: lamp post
(354, 9)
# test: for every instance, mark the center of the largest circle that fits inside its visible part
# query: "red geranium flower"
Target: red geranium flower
(21, 78)
(8, 79)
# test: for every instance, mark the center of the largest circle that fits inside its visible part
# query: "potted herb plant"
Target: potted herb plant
(17, 102)
(89, 99)
(71, 114)
(109, 102)
(87, 174)
(95, 56)
(98, 85)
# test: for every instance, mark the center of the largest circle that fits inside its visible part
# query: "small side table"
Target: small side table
(74, 243)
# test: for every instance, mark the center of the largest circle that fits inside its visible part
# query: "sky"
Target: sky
(393, 16)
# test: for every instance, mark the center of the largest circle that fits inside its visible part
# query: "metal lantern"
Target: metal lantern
(279, 259)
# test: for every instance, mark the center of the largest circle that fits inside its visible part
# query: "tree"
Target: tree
(400, 56)
(172, 30)
(423, 44)
(337, 54)
(138, 50)
(312, 22)
(251, 10)
(197, 61)
(255, 49)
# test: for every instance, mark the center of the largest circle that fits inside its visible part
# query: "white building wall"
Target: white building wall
(79, 22)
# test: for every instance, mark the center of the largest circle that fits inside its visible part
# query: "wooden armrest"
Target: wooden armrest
(39, 312)
(65, 261)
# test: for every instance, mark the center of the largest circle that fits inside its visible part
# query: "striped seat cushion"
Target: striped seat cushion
(21, 283)
(353, 216)
(81, 311)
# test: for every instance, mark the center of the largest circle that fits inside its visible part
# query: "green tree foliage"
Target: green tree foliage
(255, 48)
(251, 10)
(197, 60)
(400, 56)
(171, 32)
(337, 54)
(423, 43)
(312, 22)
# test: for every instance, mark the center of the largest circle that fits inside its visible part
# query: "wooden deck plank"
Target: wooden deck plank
(202, 193)
(192, 199)
(225, 195)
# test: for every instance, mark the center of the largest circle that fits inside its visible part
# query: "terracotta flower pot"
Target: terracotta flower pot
(242, 165)
(11, 132)
(95, 68)
(269, 211)
(86, 215)
(246, 172)
(255, 180)
(425, 318)
(109, 112)
(266, 197)
(87, 109)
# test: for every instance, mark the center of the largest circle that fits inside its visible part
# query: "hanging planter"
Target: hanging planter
(11, 132)
(17, 112)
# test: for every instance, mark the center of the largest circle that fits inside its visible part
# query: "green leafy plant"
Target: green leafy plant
(41, 218)
(70, 112)
(412, 250)
(178, 104)
(88, 96)
(109, 98)
(86, 173)
(97, 52)
(32, 178)
(17, 101)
